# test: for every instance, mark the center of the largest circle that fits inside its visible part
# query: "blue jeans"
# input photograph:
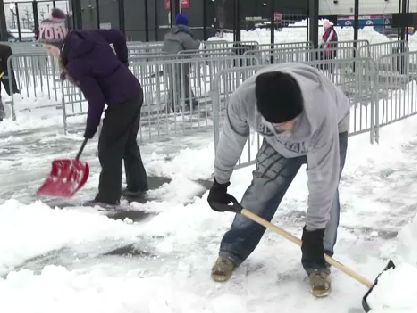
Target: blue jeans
(271, 179)
(2, 114)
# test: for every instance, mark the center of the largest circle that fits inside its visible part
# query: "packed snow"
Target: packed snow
(77, 259)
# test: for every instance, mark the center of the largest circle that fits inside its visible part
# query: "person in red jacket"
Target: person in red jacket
(329, 43)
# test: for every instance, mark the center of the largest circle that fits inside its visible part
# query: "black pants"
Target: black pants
(181, 73)
(2, 114)
(117, 142)
(5, 53)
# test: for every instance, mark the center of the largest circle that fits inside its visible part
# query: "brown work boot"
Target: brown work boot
(321, 283)
(222, 269)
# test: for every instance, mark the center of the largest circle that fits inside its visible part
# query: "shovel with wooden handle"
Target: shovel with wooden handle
(237, 208)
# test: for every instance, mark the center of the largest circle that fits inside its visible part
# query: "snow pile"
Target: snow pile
(189, 162)
(66, 291)
(407, 247)
(396, 291)
(30, 230)
(298, 30)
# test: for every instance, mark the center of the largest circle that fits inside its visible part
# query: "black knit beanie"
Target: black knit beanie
(278, 97)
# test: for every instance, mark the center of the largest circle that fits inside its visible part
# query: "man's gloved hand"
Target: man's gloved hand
(313, 249)
(218, 194)
(90, 132)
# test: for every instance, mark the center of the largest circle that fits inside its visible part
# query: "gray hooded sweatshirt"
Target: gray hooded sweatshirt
(316, 134)
(178, 39)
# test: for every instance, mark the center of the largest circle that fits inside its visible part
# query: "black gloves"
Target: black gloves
(313, 249)
(63, 75)
(218, 194)
(90, 132)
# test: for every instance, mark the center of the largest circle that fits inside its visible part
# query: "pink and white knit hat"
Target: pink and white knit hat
(53, 30)
(327, 24)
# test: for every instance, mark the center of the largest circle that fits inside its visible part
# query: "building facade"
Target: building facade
(149, 20)
(145, 20)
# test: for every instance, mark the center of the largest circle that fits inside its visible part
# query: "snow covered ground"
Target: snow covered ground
(77, 259)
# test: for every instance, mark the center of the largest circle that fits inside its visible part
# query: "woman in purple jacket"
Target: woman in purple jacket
(88, 61)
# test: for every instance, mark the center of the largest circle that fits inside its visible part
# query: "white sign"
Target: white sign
(105, 25)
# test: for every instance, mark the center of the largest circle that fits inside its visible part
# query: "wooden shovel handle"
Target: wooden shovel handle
(298, 242)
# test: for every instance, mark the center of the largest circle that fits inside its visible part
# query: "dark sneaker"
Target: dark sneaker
(106, 205)
(195, 105)
(133, 194)
(222, 269)
(320, 283)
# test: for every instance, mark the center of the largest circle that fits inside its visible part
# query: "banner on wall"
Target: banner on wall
(185, 4)
(167, 4)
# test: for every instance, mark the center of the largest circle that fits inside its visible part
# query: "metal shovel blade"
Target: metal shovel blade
(65, 178)
(365, 304)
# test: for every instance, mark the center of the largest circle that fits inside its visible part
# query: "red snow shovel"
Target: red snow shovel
(66, 177)
(237, 208)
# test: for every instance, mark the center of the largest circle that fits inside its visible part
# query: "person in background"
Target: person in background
(304, 118)
(329, 41)
(5, 53)
(180, 38)
(103, 75)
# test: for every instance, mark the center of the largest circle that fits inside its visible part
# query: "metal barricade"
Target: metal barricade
(37, 76)
(225, 83)
(356, 77)
(26, 47)
(374, 51)
(156, 47)
(176, 92)
(73, 102)
(360, 43)
(140, 48)
(299, 45)
(215, 44)
(189, 92)
(218, 44)
(397, 78)
(304, 52)
(226, 51)
(291, 55)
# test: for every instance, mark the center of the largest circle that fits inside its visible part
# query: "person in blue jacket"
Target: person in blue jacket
(103, 76)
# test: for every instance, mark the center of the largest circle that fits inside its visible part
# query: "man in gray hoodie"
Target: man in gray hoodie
(304, 118)
(178, 39)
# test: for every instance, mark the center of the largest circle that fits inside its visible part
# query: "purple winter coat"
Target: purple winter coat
(103, 77)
